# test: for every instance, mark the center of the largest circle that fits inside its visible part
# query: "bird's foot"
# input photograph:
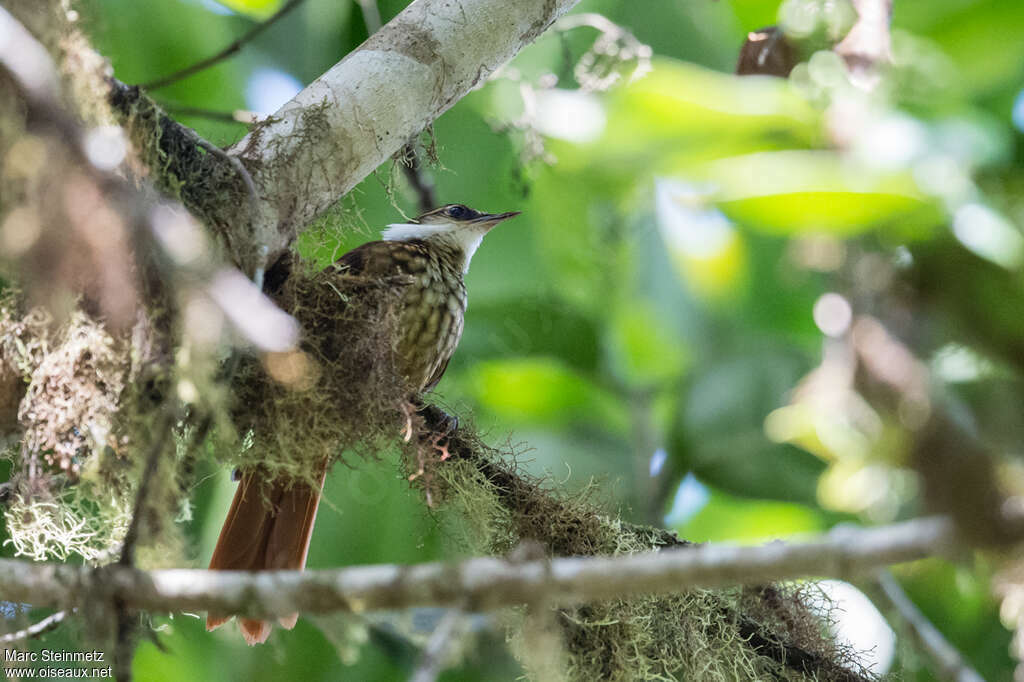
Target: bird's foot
(440, 443)
(437, 420)
(442, 425)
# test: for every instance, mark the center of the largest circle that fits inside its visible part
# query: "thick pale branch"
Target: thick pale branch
(359, 113)
(481, 583)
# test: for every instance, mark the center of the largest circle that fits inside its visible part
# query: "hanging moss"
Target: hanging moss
(339, 393)
(697, 634)
(83, 427)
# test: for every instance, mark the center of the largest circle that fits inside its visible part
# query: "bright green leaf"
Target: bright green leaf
(642, 349)
(791, 192)
(543, 390)
(256, 9)
(726, 517)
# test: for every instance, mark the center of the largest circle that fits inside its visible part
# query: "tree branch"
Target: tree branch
(949, 661)
(231, 49)
(432, 659)
(483, 583)
(51, 622)
(359, 113)
(409, 158)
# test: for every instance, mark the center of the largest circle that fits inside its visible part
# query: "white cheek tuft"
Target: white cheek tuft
(397, 232)
(468, 240)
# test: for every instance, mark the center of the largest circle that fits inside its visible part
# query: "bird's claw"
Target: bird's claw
(408, 409)
(440, 443)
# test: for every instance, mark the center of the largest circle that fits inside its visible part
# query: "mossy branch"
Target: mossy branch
(342, 126)
(483, 583)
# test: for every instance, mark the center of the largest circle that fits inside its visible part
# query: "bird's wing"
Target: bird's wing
(381, 259)
(436, 377)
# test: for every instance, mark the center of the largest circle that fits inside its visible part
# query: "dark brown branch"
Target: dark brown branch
(766, 52)
(156, 448)
(231, 49)
(414, 173)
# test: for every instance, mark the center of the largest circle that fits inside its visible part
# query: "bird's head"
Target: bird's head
(454, 226)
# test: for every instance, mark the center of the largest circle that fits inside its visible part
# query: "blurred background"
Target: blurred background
(729, 305)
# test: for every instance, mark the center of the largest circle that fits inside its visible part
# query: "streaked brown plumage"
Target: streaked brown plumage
(434, 251)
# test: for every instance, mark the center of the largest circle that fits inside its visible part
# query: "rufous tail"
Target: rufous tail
(268, 527)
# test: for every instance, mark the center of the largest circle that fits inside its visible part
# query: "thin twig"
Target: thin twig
(237, 116)
(487, 583)
(236, 163)
(371, 15)
(47, 624)
(413, 169)
(432, 659)
(127, 623)
(131, 537)
(951, 664)
(225, 53)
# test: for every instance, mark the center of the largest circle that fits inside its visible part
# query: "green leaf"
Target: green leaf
(794, 192)
(517, 327)
(727, 517)
(544, 390)
(693, 106)
(719, 432)
(642, 350)
(256, 9)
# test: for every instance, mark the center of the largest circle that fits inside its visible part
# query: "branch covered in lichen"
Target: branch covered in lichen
(482, 583)
(364, 109)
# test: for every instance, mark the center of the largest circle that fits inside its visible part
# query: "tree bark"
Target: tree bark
(482, 583)
(363, 110)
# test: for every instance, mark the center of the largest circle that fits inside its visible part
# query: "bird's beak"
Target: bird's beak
(489, 220)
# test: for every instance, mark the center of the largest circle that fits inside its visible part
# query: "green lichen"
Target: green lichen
(696, 634)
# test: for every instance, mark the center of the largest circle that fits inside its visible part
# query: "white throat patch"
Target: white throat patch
(466, 239)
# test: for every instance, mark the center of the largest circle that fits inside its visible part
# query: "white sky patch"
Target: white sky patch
(1018, 111)
(570, 115)
(268, 89)
(989, 235)
(657, 462)
(106, 147)
(687, 223)
(892, 142)
(940, 175)
(958, 364)
(832, 314)
(691, 497)
(859, 624)
(214, 7)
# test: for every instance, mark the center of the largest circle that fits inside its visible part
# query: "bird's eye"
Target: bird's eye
(458, 211)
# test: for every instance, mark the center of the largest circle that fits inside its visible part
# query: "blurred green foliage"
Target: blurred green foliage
(658, 292)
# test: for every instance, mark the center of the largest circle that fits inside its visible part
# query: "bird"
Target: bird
(270, 522)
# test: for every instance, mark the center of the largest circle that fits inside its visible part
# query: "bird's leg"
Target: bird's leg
(441, 447)
(439, 426)
(442, 425)
(436, 419)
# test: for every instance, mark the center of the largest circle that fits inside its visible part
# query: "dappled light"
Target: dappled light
(774, 318)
